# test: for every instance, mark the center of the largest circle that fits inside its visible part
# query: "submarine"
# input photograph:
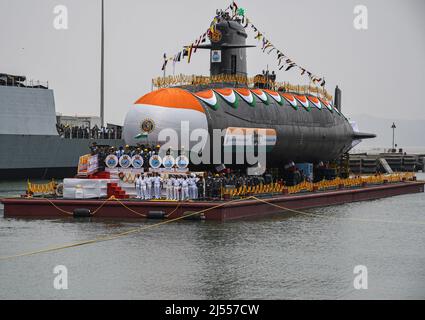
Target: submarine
(300, 127)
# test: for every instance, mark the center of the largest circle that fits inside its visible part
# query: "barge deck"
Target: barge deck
(202, 210)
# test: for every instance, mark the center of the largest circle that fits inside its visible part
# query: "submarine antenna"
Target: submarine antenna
(102, 68)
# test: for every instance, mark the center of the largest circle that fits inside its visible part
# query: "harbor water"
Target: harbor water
(286, 256)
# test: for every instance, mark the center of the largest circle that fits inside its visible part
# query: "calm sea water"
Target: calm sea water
(281, 257)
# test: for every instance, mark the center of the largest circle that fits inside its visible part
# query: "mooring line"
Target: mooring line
(118, 235)
(339, 218)
(140, 229)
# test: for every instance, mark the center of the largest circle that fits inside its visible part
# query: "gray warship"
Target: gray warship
(30, 144)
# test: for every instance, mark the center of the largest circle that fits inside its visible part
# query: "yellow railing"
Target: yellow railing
(184, 80)
(46, 188)
(320, 186)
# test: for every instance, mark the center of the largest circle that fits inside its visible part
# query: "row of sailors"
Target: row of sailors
(177, 188)
(132, 152)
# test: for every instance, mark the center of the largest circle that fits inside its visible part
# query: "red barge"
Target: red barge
(202, 210)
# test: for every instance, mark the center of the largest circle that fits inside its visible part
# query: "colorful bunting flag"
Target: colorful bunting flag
(240, 13)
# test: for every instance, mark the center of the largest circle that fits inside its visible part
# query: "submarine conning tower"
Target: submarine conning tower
(229, 42)
(228, 47)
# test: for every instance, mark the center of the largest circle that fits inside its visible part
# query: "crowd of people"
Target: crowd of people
(177, 187)
(85, 132)
(216, 183)
(182, 187)
(205, 186)
(145, 150)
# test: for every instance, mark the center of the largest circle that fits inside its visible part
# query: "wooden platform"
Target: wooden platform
(209, 210)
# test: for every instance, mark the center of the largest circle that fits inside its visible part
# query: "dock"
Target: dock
(367, 163)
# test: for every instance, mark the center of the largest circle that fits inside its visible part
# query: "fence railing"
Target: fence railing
(276, 188)
(195, 80)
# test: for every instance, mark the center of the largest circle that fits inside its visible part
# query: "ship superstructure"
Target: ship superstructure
(30, 143)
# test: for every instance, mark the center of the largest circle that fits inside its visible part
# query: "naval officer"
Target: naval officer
(169, 182)
(185, 189)
(176, 188)
(137, 184)
(157, 186)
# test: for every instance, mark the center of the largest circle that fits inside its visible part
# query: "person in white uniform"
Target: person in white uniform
(193, 188)
(157, 186)
(137, 186)
(169, 182)
(185, 189)
(143, 188)
(148, 187)
(176, 189)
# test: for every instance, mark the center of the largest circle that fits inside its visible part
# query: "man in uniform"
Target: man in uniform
(176, 188)
(137, 184)
(193, 188)
(143, 188)
(127, 150)
(120, 152)
(157, 186)
(146, 158)
(149, 187)
(185, 189)
(209, 187)
(200, 186)
(169, 187)
(94, 149)
(216, 187)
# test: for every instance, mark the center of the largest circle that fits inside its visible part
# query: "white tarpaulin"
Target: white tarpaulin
(86, 188)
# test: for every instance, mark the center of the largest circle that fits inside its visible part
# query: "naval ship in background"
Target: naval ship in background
(31, 146)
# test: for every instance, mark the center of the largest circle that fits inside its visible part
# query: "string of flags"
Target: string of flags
(283, 61)
(189, 50)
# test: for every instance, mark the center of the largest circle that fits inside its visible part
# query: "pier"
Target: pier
(369, 163)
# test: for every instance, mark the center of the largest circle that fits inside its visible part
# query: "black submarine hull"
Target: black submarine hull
(302, 135)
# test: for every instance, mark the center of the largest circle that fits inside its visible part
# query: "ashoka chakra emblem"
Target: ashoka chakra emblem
(147, 125)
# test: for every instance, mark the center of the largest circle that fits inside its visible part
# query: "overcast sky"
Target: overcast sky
(380, 70)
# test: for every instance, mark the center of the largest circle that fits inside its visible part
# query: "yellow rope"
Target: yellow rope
(178, 205)
(112, 198)
(119, 235)
(138, 213)
(101, 206)
(340, 218)
(59, 209)
(108, 238)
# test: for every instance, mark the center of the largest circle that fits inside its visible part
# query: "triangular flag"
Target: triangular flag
(190, 53)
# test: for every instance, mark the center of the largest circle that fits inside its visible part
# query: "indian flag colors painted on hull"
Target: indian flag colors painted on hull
(229, 96)
(276, 96)
(209, 97)
(327, 104)
(304, 101)
(246, 95)
(239, 138)
(291, 99)
(161, 110)
(260, 95)
(315, 101)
